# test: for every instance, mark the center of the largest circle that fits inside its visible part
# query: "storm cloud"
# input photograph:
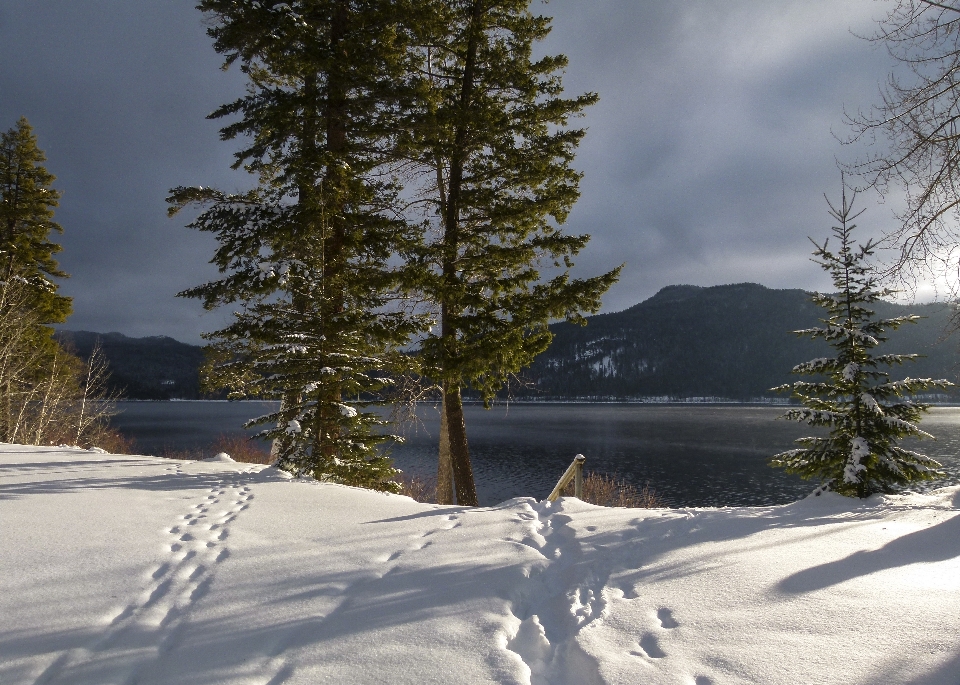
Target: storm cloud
(706, 159)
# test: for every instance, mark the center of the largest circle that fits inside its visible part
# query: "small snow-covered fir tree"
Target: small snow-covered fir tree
(866, 412)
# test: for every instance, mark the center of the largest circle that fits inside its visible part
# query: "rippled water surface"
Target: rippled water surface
(700, 455)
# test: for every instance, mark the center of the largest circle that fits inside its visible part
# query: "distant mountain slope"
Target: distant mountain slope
(155, 368)
(730, 341)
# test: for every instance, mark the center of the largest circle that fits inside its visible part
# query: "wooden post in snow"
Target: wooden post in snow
(574, 472)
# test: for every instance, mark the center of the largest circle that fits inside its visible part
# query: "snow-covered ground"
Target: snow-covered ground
(138, 570)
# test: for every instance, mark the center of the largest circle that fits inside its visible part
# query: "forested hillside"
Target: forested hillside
(731, 341)
(154, 368)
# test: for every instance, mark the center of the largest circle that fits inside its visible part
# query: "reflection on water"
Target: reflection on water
(691, 455)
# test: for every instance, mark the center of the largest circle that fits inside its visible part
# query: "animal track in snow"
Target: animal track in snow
(141, 631)
(650, 646)
(448, 523)
(665, 616)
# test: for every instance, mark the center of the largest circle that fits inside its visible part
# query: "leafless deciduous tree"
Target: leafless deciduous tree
(47, 395)
(915, 130)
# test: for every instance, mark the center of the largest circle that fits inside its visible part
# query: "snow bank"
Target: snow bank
(126, 569)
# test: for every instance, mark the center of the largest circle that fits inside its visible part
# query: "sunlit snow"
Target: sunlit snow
(125, 569)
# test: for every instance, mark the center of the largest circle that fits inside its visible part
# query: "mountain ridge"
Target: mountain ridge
(152, 368)
(732, 341)
(727, 341)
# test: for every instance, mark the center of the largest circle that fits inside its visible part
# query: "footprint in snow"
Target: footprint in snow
(650, 647)
(666, 619)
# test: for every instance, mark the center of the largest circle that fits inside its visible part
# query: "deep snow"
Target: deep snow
(139, 570)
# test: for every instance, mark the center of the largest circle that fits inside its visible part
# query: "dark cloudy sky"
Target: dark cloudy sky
(705, 163)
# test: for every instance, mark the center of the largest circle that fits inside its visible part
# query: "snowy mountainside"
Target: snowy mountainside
(730, 341)
(128, 569)
(153, 368)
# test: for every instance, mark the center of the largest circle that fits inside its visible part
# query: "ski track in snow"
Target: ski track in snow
(150, 625)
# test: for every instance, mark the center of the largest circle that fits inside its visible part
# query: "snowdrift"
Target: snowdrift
(128, 569)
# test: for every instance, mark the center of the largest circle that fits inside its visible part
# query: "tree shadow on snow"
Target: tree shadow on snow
(112, 474)
(932, 544)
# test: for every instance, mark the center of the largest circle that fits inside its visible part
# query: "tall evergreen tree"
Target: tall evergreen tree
(27, 200)
(496, 151)
(47, 395)
(866, 412)
(306, 253)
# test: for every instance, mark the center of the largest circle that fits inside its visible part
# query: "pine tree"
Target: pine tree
(27, 199)
(495, 151)
(866, 412)
(47, 395)
(306, 254)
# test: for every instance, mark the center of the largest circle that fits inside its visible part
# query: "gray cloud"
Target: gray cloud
(705, 161)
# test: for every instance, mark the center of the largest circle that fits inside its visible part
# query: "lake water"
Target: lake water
(692, 455)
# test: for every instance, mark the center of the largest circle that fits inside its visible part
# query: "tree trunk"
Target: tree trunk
(459, 451)
(445, 467)
(332, 200)
(453, 431)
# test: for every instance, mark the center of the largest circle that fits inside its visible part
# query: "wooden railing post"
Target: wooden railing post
(578, 478)
(574, 472)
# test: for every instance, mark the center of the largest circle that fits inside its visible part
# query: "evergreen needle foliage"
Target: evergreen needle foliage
(47, 395)
(494, 151)
(306, 254)
(27, 200)
(853, 396)
(413, 167)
